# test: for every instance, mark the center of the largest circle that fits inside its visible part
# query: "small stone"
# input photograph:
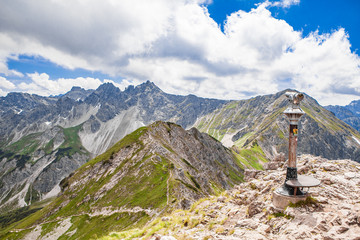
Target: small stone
(271, 165)
(322, 200)
(165, 219)
(322, 226)
(342, 229)
(336, 221)
(349, 175)
(247, 223)
(221, 199)
(330, 167)
(254, 208)
(328, 238)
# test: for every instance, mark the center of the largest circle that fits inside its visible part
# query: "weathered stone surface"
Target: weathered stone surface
(328, 218)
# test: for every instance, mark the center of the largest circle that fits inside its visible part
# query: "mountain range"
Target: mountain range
(350, 113)
(45, 139)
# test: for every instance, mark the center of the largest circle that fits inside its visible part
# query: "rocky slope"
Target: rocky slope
(31, 168)
(349, 113)
(151, 171)
(246, 211)
(44, 139)
(261, 120)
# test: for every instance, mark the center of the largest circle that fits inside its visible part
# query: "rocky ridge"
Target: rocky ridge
(246, 211)
(149, 172)
(44, 139)
(350, 113)
(261, 120)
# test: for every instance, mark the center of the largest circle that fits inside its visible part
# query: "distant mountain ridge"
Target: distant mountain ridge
(350, 113)
(261, 120)
(43, 139)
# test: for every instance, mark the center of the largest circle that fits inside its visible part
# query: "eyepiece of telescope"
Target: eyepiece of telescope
(294, 97)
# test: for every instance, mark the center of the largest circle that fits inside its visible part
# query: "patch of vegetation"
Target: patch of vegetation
(217, 190)
(189, 164)
(188, 185)
(49, 227)
(309, 201)
(251, 157)
(21, 150)
(32, 195)
(241, 142)
(127, 141)
(197, 185)
(71, 144)
(26, 145)
(232, 105)
(8, 218)
(87, 227)
(49, 147)
(279, 214)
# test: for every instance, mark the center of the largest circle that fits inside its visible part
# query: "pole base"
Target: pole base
(282, 201)
(287, 190)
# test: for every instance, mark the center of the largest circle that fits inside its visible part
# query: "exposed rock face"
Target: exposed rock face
(78, 93)
(150, 171)
(102, 117)
(27, 176)
(261, 119)
(23, 114)
(349, 113)
(246, 211)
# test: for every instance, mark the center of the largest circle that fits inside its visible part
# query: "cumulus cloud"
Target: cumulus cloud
(6, 84)
(176, 44)
(42, 84)
(284, 3)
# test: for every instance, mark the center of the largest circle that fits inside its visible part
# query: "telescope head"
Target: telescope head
(295, 98)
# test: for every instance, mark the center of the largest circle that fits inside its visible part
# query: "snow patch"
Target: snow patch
(356, 140)
(48, 123)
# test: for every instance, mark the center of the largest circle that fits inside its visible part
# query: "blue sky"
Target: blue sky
(228, 49)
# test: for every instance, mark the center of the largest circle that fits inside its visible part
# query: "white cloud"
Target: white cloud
(176, 44)
(6, 84)
(42, 85)
(285, 3)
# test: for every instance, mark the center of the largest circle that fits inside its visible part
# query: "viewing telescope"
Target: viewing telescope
(295, 98)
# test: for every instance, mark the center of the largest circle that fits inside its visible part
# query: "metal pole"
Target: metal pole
(294, 114)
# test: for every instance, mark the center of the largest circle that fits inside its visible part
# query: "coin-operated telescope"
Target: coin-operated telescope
(292, 188)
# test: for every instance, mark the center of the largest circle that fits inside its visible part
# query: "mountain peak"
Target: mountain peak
(76, 88)
(108, 89)
(148, 85)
